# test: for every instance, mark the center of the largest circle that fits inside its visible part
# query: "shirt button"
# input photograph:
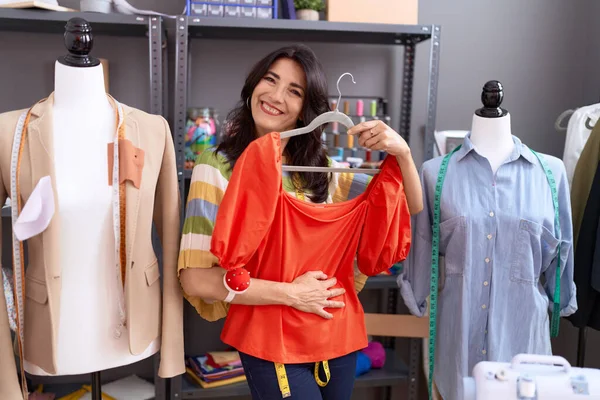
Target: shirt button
(483, 352)
(487, 260)
(484, 306)
(485, 283)
(489, 236)
(491, 213)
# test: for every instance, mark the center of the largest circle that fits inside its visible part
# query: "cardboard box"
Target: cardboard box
(374, 11)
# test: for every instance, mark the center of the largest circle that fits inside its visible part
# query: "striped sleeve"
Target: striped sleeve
(346, 186)
(208, 184)
(349, 185)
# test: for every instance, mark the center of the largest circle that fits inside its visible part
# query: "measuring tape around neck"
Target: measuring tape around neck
(435, 243)
(556, 300)
(17, 245)
(119, 219)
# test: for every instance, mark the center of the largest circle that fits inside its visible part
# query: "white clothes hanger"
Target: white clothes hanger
(558, 124)
(327, 117)
(330, 116)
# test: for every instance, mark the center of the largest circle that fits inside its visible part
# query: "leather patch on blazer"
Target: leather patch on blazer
(131, 162)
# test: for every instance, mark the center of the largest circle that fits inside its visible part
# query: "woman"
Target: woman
(284, 90)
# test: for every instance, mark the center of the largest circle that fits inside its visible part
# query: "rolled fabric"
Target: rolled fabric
(376, 354)
(363, 364)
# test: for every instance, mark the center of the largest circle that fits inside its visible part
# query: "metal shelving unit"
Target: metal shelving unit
(42, 21)
(114, 25)
(408, 36)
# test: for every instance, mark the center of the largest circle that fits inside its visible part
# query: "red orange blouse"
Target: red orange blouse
(277, 237)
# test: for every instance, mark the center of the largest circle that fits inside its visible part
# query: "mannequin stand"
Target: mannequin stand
(96, 386)
(581, 346)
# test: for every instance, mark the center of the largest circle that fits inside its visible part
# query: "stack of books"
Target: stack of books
(215, 369)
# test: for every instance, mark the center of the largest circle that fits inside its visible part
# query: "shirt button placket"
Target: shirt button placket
(490, 244)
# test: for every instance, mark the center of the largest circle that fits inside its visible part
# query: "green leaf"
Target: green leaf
(316, 5)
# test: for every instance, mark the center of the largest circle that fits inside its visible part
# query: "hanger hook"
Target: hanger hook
(338, 88)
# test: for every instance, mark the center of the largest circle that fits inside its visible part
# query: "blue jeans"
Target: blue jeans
(262, 379)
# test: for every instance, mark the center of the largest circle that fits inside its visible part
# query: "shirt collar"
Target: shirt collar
(519, 150)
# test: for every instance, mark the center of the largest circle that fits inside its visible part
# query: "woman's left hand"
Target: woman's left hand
(376, 135)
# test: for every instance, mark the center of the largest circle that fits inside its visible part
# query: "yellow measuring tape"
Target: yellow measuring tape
(282, 380)
(284, 385)
(327, 373)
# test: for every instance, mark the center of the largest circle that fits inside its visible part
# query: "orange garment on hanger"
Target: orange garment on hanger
(278, 237)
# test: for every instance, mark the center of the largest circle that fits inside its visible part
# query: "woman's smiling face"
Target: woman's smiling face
(278, 99)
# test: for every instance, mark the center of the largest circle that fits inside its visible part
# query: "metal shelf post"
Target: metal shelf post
(156, 37)
(180, 101)
(434, 65)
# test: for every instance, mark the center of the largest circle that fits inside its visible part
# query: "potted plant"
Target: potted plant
(308, 9)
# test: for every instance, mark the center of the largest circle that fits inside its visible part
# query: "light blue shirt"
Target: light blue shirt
(497, 260)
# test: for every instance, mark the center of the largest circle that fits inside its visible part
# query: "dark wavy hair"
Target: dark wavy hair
(308, 149)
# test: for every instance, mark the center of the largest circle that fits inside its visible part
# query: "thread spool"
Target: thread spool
(359, 107)
(346, 107)
(374, 108)
(335, 127)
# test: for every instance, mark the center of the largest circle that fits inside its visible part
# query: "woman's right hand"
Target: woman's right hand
(311, 293)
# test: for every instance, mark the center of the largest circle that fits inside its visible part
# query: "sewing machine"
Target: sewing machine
(531, 377)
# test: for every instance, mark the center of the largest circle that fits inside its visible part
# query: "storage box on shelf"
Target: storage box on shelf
(261, 9)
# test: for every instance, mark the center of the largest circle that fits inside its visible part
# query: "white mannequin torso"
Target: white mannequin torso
(492, 138)
(83, 123)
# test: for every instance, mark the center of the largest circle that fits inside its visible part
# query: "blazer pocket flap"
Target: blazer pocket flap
(36, 291)
(152, 273)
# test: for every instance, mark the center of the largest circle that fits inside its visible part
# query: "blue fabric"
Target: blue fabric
(497, 260)
(363, 363)
(262, 379)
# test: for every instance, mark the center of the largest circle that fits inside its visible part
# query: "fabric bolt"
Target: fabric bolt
(497, 260)
(579, 129)
(277, 237)
(210, 178)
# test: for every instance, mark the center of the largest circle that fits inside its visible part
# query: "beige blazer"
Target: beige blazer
(149, 315)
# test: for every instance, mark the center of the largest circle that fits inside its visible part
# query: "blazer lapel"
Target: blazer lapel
(132, 193)
(41, 163)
